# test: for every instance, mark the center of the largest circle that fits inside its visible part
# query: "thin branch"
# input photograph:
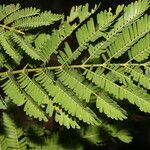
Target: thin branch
(4, 74)
(11, 29)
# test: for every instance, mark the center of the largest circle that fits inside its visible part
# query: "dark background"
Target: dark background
(63, 6)
(141, 130)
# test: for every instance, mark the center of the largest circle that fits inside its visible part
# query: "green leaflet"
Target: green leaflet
(6, 10)
(33, 89)
(2, 104)
(117, 132)
(94, 134)
(21, 14)
(137, 74)
(110, 108)
(33, 110)
(13, 139)
(131, 13)
(13, 90)
(14, 21)
(82, 12)
(82, 67)
(104, 103)
(74, 106)
(74, 81)
(51, 43)
(65, 120)
(89, 32)
(18, 96)
(6, 44)
(128, 37)
(130, 92)
(69, 102)
(27, 47)
(44, 19)
(140, 51)
(60, 116)
(50, 46)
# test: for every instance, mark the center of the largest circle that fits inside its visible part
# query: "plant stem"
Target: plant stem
(4, 74)
(11, 29)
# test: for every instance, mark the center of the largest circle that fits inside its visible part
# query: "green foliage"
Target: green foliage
(36, 137)
(97, 77)
(13, 138)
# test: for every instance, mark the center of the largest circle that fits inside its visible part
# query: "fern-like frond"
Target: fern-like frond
(33, 110)
(73, 105)
(20, 97)
(66, 120)
(74, 80)
(44, 19)
(6, 10)
(3, 144)
(21, 14)
(123, 135)
(89, 32)
(16, 94)
(107, 62)
(91, 134)
(27, 47)
(44, 46)
(2, 104)
(65, 99)
(51, 43)
(138, 75)
(7, 45)
(117, 132)
(14, 23)
(14, 136)
(118, 72)
(105, 104)
(82, 12)
(120, 92)
(50, 46)
(3, 60)
(33, 89)
(137, 96)
(102, 81)
(131, 13)
(128, 37)
(140, 51)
